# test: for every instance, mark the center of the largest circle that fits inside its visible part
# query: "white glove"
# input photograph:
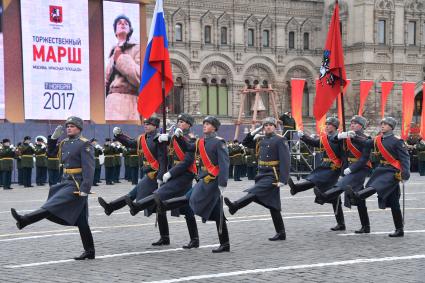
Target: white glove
(43, 146)
(178, 132)
(256, 130)
(117, 131)
(257, 136)
(166, 177)
(31, 145)
(163, 138)
(300, 134)
(98, 146)
(58, 132)
(347, 171)
(280, 185)
(159, 182)
(221, 188)
(351, 134)
(344, 135)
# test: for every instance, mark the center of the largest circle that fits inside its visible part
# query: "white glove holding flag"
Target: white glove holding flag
(345, 135)
(300, 134)
(178, 132)
(117, 131)
(347, 171)
(166, 177)
(163, 138)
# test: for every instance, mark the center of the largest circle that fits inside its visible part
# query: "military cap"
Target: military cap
(5, 140)
(270, 120)
(108, 139)
(154, 121)
(389, 121)
(359, 120)
(39, 139)
(332, 121)
(93, 140)
(213, 121)
(186, 118)
(27, 138)
(76, 121)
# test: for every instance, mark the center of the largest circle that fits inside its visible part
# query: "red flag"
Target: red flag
(423, 112)
(297, 87)
(340, 105)
(407, 108)
(332, 71)
(365, 87)
(386, 89)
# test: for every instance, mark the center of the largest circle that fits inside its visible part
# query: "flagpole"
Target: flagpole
(164, 113)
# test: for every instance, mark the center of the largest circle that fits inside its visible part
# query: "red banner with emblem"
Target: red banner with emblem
(365, 87)
(297, 91)
(386, 88)
(408, 105)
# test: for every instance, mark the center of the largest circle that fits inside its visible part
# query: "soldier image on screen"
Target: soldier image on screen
(7, 154)
(273, 173)
(326, 175)
(40, 161)
(358, 168)
(393, 168)
(154, 159)
(67, 202)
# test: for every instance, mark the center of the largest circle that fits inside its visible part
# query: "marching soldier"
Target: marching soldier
(98, 151)
(236, 160)
(109, 153)
(154, 161)
(117, 160)
(205, 198)
(7, 154)
(358, 169)
(177, 181)
(19, 163)
(27, 162)
(327, 174)
(133, 164)
(53, 166)
(40, 161)
(273, 173)
(67, 202)
(394, 167)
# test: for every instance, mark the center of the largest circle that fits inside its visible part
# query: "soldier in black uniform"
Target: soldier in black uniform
(118, 149)
(53, 167)
(67, 202)
(40, 161)
(98, 151)
(205, 198)
(325, 176)
(133, 165)
(7, 153)
(154, 165)
(126, 157)
(19, 163)
(358, 168)
(109, 153)
(27, 163)
(394, 167)
(273, 173)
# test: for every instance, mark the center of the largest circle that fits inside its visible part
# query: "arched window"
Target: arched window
(207, 34)
(266, 38)
(306, 41)
(214, 97)
(175, 99)
(251, 37)
(179, 32)
(291, 40)
(223, 35)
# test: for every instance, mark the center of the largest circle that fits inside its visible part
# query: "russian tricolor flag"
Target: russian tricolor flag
(150, 90)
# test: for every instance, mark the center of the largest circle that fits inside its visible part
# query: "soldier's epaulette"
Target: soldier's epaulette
(83, 139)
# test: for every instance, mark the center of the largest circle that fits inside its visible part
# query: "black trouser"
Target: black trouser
(1, 179)
(134, 175)
(251, 172)
(421, 167)
(97, 172)
(163, 225)
(238, 171)
(397, 218)
(117, 170)
(26, 176)
(224, 236)
(277, 221)
(230, 171)
(362, 209)
(40, 175)
(339, 214)
(53, 176)
(6, 179)
(109, 174)
(20, 177)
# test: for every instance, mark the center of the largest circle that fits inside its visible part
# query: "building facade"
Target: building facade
(219, 47)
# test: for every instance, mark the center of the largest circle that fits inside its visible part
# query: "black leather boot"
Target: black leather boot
(87, 240)
(193, 233)
(136, 207)
(364, 218)
(240, 203)
(163, 231)
(278, 225)
(398, 223)
(113, 205)
(173, 203)
(365, 193)
(27, 219)
(300, 187)
(333, 193)
(86, 255)
(339, 215)
(224, 238)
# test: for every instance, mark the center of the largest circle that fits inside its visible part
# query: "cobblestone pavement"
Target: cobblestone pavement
(311, 253)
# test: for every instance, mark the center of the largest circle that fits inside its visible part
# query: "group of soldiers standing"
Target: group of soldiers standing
(172, 161)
